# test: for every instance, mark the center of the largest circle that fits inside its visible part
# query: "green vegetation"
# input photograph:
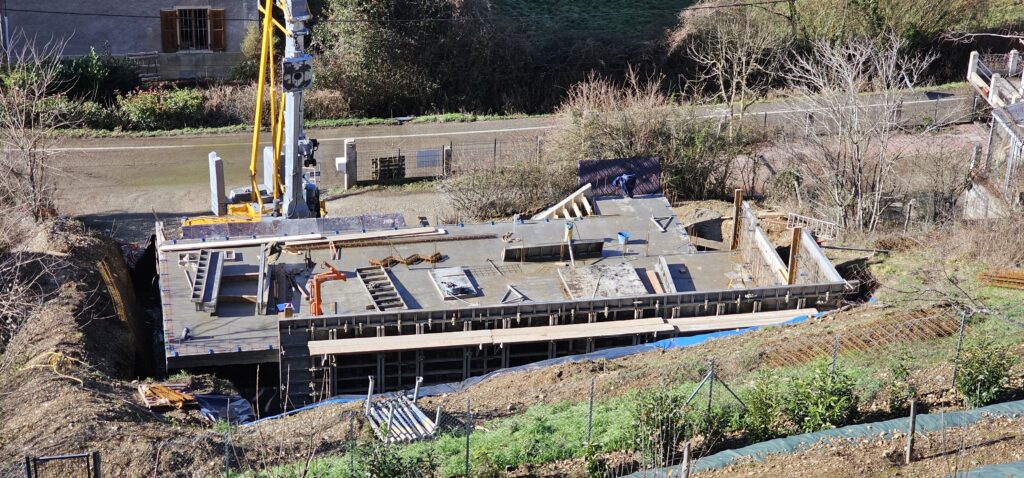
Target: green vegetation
(161, 109)
(901, 390)
(822, 399)
(764, 418)
(984, 371)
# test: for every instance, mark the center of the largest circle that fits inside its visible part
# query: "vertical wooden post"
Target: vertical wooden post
(686, 461)
(910, 432)
(737, 203)
(794, 254)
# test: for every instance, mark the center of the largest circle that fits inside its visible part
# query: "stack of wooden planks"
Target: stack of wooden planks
(396, 419)
(165, 396)
(1008, 278)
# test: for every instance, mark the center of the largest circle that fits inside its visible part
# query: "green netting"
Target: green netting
(998, 471)
(780, 446)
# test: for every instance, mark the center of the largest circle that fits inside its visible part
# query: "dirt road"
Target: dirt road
(119, 183)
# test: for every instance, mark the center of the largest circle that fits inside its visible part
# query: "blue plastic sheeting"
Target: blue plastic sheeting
(235, 409)
(781, 446)
(1015, 469)
(606, 354)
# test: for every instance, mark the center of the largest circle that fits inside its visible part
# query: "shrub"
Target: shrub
(901, 391)
(96, 116)
(162, 109)
(97, 77)
(323, 104)
(516, 187)
(822, 399)
(764, 418)
(636, 119)
(225, 105)
(377, 460)
(251, 47)
(983, 373)
(659, 419)
(56, 111)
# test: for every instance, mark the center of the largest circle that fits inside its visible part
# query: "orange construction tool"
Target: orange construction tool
(315, 300)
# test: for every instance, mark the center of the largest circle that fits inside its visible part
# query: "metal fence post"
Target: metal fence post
(469, 429)
(910, 432)
(590, 412)
(227, 441)
(28, 466)
(96, 464)
(835, 354)
(959, 345)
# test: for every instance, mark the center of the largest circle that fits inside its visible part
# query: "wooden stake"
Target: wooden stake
(910, 432)
(794, 254)
(686, 461)
(737, 203)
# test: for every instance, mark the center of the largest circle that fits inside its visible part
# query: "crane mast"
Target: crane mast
(286, 190)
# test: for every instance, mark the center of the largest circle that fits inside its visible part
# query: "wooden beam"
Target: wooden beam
(737, 205)
(794, 254)
(549, 333)
(655, 282)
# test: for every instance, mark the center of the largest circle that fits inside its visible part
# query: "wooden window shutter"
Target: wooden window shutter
(218, 34)
(169, 30)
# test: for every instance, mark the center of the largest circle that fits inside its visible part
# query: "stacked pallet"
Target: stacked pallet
(397, 419)
(1008, 278)
(165, 397)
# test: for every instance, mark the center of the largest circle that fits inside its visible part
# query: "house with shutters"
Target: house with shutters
(170, 39)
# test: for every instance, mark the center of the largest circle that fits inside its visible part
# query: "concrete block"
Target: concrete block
(268, 167)
(347, 164)
(218, 201)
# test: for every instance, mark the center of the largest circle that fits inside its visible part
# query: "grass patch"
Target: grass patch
(90, 133)
(467, 118)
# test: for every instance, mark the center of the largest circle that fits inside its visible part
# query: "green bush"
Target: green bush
(376, 460)
(659, 424)
(96, 77)
(162, 109)
(96, 116)
(765, 417)
(983, 371)
(901, 391)
(822, 399)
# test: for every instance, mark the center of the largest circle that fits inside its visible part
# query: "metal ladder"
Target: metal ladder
(383, 292)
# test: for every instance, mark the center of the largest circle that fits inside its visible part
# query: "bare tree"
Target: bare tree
(30, 112)
(854, 92)
(739, 51)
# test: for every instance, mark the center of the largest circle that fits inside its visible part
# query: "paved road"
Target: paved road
(130, 178)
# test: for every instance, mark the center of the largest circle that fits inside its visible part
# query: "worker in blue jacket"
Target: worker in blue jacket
(625, 183)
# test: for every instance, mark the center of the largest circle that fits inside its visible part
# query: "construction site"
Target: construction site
(610, 329)
(334, 301)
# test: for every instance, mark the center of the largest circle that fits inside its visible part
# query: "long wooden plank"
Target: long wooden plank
(547, 333)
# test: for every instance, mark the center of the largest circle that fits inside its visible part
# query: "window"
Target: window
(195, 29)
